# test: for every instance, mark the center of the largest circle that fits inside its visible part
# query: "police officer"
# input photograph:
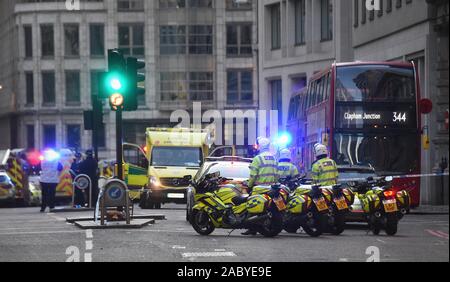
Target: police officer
(263, 170)
(285, 167)
(324, 170)
(89, 167)
(74, 171)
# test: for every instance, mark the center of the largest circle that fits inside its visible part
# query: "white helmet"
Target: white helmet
(320, 150)
(264, 143)
(285, 154)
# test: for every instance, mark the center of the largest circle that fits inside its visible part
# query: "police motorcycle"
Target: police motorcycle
(383, 207)
(338, 199)
(224, 206)
(306, 210)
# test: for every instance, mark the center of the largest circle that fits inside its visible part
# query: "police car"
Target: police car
(237, 169)
(7, 189)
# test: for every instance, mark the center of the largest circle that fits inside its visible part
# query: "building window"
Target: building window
(172, 40)
(300, 16)
(173, 86)
(95, 82)
(166, 4)
(239, 86)
(29, 80)
(180, 86)
(74, 136)
(363, 12)
(326, 20)
(398, 4)
(131, 39)
(239, 39)
(201, 86)
(27, 30)
(31, 144)
(175, 40)
(200, 3)
(355, 13)
(130, 5)
(239, 5)
(47, 41)
(381, 10)
(200, 39)
(97, 40)
(276, 90)
(48, 88)
(71, 40)
(73, 97)
(388, 6)
(275, 16)
(49, 136)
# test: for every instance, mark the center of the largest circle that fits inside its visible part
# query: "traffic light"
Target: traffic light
(115, 82)
(136, 87)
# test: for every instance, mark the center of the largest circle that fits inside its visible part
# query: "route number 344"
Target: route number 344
(399, 117)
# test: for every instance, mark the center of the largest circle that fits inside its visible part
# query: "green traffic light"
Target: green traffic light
(115, 84)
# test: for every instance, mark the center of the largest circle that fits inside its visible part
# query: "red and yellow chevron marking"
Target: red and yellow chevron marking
(65, 185)
(16, 174)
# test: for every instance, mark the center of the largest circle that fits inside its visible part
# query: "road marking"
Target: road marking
(208, 254)
(442, 233)
(343, 260)
(439, 234)
(179, 247)
(41, 232)
(89, 245)
(381, 241)
(87, 257)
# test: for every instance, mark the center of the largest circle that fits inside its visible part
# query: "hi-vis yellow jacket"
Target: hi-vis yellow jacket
(325, 172)
(263, 170)
(287, 169)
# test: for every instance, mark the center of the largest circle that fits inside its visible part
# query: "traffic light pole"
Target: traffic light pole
(119, 150)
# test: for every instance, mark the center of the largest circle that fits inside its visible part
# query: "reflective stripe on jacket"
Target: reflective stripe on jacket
(325, 172)
(263, 170)
(287, 169)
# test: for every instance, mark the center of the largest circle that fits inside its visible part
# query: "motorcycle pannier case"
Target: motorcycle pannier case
(257, 204)
(299, 204)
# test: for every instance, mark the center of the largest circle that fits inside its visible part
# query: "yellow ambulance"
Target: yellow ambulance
(171, 155)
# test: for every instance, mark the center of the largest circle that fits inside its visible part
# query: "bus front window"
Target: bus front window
(388, 154)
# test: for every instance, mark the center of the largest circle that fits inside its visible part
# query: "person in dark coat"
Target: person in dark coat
(79, 200)
(90, 167)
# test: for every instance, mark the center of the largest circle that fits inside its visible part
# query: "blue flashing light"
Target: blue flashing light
(51, 155)
(283, 140)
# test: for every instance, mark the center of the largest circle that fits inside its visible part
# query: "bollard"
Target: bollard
(82, 182)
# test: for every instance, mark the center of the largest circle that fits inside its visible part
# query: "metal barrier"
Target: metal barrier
(114, 194)
(82, 182)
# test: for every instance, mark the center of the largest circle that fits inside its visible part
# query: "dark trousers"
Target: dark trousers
(79, 198)
(48, 195)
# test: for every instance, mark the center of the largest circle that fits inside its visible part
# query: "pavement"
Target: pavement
(428, 209)
(27, 235)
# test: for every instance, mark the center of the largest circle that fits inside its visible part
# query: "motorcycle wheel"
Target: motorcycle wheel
(202, 224)
(272, 227)
(339, 225)
(315, 229)
(391, 226)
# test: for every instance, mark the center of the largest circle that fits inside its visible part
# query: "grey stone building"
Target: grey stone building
(195, 51)
(300, 37)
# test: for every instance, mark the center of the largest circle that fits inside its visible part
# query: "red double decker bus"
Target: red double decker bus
(368, 114)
